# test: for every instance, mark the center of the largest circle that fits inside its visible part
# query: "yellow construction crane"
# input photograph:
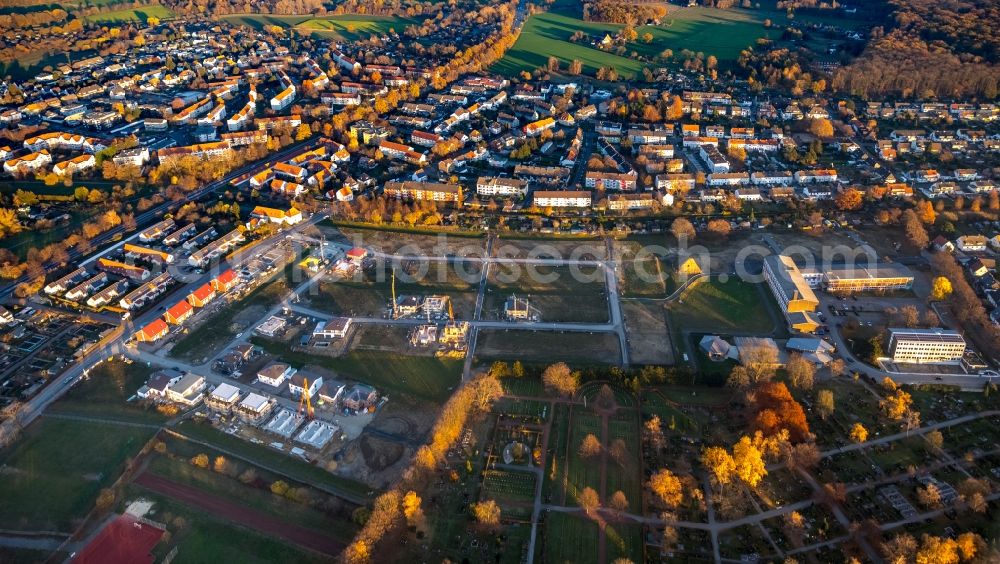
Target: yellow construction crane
(305, 401)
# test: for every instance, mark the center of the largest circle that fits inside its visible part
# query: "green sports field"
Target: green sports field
(723, 33)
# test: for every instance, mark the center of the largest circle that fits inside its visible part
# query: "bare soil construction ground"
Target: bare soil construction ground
(583, 249)
(543, 346)
(560, 294)
(409, 243)
(648, 332)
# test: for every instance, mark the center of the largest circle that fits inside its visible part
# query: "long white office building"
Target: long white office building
(926, 345)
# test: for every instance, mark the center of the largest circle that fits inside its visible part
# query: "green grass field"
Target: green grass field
(104, 394)
(131, 15)
(733, 306)
(548, 34)
(354, 27)
(53, 473)
(723, 33)
(348, 27)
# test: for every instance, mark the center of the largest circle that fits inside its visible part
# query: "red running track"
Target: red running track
(241, 515)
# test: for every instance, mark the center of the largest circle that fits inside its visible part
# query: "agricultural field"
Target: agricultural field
(722, 33)
(389, 241)
(575, 249)
(131, 15)
(50, 483)
(547, 34)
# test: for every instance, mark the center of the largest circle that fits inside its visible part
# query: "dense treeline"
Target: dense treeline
(938, 48)
(622, 12)
(29, 19)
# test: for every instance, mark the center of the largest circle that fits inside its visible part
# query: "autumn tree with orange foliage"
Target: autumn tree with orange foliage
(776, 409)
(849, 199)
(667, 487)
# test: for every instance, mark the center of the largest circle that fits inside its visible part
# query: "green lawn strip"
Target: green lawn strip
(624, 541)
(583, 472)
(570, 538)
(261, 500)
(552, 488)
(627, 475)
(295, 469)
(425, 377)
(53, 473)
(201, 538)
(105, 392)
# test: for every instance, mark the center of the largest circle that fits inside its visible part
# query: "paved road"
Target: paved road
(37, 542)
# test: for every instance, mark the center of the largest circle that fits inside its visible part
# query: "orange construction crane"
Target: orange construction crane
(305, 401)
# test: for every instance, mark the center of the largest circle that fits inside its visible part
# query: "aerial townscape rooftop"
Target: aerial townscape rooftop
(527, 282)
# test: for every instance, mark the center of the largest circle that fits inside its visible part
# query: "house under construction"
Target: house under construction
(520, 309)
